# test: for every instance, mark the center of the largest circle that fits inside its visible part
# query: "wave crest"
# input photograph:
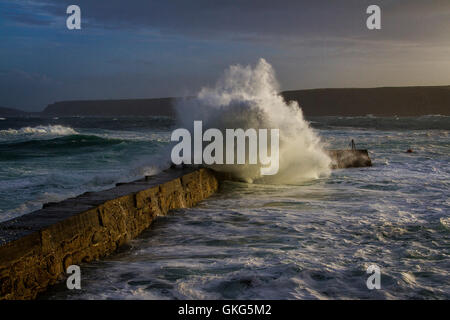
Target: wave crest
(247, 97)
(52, 130)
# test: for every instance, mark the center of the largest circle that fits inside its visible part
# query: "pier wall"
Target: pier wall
(37, 248)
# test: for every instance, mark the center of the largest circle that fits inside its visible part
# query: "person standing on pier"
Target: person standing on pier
(353, 145)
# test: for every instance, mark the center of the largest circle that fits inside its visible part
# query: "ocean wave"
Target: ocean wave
(70, 140)
(427, 122)
(53, 147)
(247, 97)
(445, 222)
(51, 130)
(62, 184)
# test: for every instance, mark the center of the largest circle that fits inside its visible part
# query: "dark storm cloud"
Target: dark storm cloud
(407, 20)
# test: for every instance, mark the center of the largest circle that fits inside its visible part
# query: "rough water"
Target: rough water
(248, 97)
(305, 241)
(50, 159)
(309, 233)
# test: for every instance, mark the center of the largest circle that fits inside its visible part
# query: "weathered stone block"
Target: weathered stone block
(36, 249)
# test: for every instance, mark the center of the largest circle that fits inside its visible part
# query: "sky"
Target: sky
(146, 49)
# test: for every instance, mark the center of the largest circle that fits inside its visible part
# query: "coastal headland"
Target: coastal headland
(382, 101)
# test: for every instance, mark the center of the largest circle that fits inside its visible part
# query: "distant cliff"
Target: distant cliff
(386, 101)
(8, 112)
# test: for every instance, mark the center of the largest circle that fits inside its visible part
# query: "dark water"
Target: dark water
(46, 159)
(306, 241)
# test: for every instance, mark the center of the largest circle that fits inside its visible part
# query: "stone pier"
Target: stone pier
(349, 158)
(36, 248)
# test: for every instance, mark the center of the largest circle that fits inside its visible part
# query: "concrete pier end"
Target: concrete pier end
(349, 158)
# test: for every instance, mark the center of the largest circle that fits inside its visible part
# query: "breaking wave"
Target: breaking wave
(247, 97)
(51, 130)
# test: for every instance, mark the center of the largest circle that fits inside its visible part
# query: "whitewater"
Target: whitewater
(247, 97)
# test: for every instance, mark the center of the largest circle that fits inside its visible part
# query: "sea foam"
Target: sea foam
(248, 97)
(52, 130)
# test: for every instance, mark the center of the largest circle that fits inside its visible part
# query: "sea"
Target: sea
(310, 239)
